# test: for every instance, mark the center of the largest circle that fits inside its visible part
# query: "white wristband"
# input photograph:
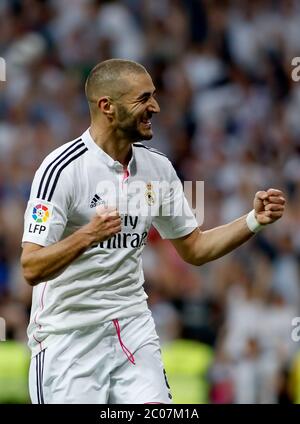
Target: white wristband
(252, 222)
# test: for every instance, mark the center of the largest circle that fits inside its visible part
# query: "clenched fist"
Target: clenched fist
(103, 225)
(269, 206)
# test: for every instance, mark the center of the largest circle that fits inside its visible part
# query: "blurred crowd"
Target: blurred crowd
(230, 116)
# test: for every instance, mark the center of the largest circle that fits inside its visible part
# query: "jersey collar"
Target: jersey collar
(103, 156)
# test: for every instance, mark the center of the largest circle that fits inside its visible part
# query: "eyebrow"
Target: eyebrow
(146, 94)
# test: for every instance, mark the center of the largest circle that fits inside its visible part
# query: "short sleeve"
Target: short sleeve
(175, 218)
(47, 209)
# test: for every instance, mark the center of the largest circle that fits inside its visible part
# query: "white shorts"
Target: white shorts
(117, 362)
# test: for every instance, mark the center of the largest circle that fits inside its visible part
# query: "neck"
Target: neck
(118, 149)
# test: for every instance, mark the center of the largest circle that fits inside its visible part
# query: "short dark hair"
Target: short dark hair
(106, 78)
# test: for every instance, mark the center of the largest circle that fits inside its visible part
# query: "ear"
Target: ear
(106, 106)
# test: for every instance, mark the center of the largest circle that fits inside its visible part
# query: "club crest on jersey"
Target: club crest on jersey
(149, 194)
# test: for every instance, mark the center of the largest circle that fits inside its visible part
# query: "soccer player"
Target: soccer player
(92, 203)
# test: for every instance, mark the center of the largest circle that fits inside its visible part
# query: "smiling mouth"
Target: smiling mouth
(146, 122)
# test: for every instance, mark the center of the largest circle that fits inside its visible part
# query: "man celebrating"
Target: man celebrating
(91, 333)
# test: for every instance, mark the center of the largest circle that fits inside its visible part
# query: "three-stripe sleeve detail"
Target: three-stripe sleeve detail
(52, 172)
(60, 170)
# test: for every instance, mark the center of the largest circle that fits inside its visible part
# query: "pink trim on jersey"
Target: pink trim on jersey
(39, 342)
(40, 308)
(125, 176)
(124, 348)
(42, 297)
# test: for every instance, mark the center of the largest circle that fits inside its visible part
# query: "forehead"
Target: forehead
(139, 83)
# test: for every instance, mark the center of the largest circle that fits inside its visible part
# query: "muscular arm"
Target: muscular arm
(200, 247)
(45, 263)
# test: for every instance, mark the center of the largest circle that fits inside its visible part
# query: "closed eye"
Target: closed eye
(146, 96)
(144, 99)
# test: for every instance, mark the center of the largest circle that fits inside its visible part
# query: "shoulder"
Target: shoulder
(149, 149)
(64, 154)
(58, 161)
(155, 161)
(149, 153)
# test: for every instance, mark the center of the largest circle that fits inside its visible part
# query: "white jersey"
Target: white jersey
(106, 281)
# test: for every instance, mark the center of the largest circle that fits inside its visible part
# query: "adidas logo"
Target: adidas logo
(96, 201)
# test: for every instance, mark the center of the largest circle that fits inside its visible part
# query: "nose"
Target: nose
(154, 106)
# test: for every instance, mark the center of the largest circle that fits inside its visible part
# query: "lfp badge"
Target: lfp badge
(40, 213)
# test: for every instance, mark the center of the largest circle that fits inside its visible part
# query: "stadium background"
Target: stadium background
(229, 116)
